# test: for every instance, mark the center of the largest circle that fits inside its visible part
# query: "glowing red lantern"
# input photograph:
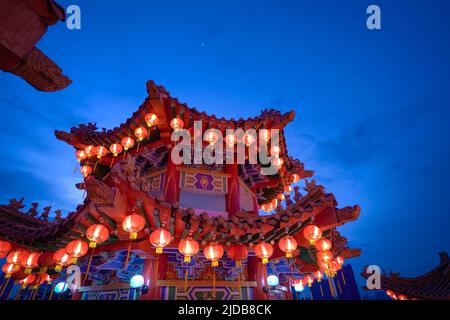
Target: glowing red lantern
(62, 259)
(281, 197)
(402, 297)
(9, 268)
(160, 238)
(264, 251)
(278, 162)
(140, 133)
(309, 280)
(86, 170)
(265, 135)
(339, 260)
(97, 233)
(151, 119)
(288, 244)
(249, 139)
(16, 257)
(295, 178)
(275, 151)
(318, 275)
(324, 256)
(287, 189)
(45, 277)
(312, 233)
(238, 252)
(101, 151)
(76, 249)
(323, 244)
(127, 143)
(5, 247)
(89, 151)
(28, 280)
(81, 155)
(30, 262)
(212, 137)
(230, 140)
(133, 224)
(274, 202)
(188, 247)
(176, 124)
(115, 149)
(213, 252)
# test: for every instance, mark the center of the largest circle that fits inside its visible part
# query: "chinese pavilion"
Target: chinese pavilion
(189, 231)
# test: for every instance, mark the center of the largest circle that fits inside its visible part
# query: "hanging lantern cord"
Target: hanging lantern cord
(88, 266)
(128, 254)
(5, 284)
(156, 269)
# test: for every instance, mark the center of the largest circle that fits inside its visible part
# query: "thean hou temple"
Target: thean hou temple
(150, 228)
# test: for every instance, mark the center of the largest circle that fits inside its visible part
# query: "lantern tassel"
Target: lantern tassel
(339, 286)
(156, 270)
(33, 294)
(124, 153)
(330, 284)
(45, 291)
(51, 292)
(139, 142)
(112, 161)
(88, 266)
(5, 284)
(321, 291)
(214, 285)
(128, 254)
(95, 165)
(239, 285)
(185, 280)
(75, 169)
(17, 297)
(343, 277)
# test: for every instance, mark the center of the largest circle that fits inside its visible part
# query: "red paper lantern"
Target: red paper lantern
(309, 280)
(176, 124)
(323, 244)
(30, 262)
(213, 252)
(133, 224)
(281, 197)
(339, 260)
(312, 233)
(275, 151)
(81, 155)
(16, 257)
(238, 252)
(62, 259)
(30, 279)
(45, 260)
(9, 268)
(127, 143)
(89, 151)
(188, 247)
(86, 170)
(76, 249)
(140, 133)
(160, 238)
(318, 275)
(264, 251)
(295, 178)
(278, 162)
(324, 256)
(97, 233)
(5, 248)
(101, 151)
(288, 244)
(230, 140)
(287, 189)
(115, 149)
(151, 119)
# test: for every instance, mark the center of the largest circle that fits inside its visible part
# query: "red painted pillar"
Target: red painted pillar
(172, 182)
(154, 292)
(255, 270)
(234, 195)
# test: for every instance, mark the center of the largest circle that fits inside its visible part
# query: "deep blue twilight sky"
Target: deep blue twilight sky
(372, 106)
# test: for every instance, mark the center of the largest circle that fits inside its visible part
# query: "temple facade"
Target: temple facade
(185, 230)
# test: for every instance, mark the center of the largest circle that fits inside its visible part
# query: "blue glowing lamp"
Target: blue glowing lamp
(61, 287)
(272, 280)
(136, 281)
